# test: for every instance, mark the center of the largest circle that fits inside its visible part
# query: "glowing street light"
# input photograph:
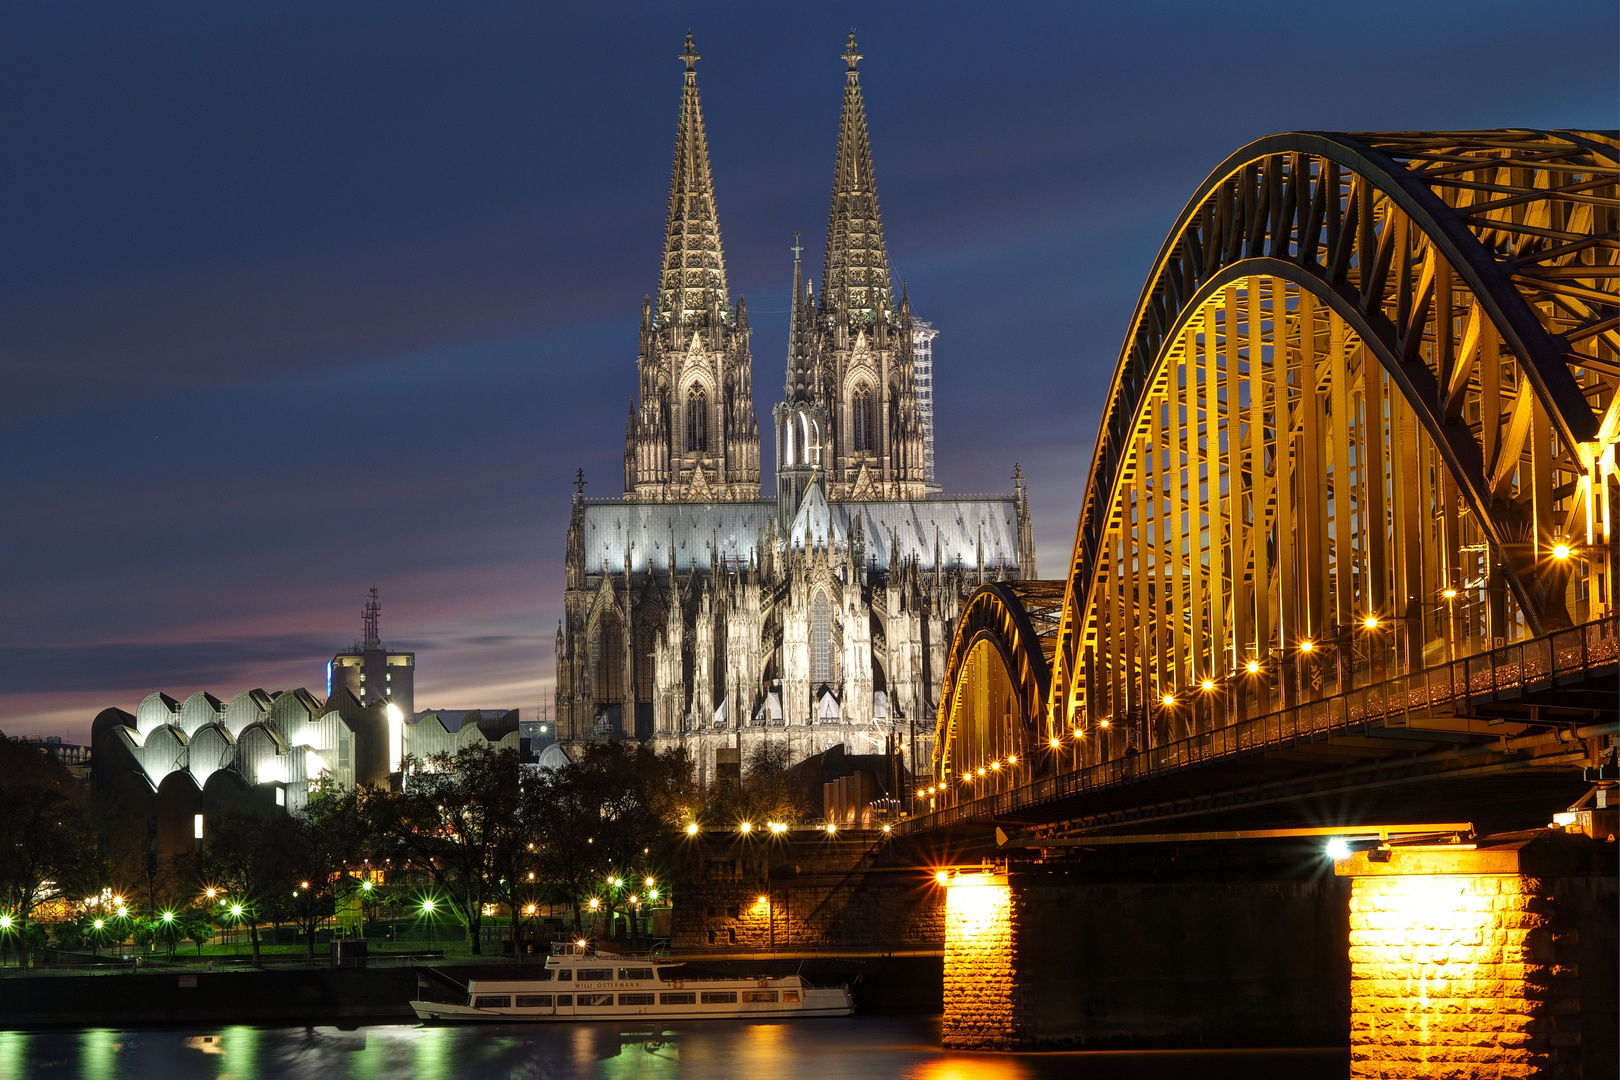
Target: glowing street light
(1012, 759)
(1307, 645)
(1252, 667)
(692, 829)
(777, 829)
(1208, 684)
(652, 894)
(1449, 594)
(1370, 622)
(832, 827)
(941, 877)
(1168, 700)
(1057, 743)
(746, 827)
(1338, 848)
(615, 882)
(1561, 552)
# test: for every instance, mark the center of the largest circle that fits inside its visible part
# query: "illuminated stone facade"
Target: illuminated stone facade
(700, 614)
(981, 983)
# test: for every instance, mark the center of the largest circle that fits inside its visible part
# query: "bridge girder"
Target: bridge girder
(1370, 377)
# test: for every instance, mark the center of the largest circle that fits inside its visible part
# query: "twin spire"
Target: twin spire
(693, 282)
(855, 275)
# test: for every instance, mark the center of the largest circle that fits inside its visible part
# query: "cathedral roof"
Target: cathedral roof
(694, 272)
(908, 529)
(856, 272)
(892, 531)
(644, 529)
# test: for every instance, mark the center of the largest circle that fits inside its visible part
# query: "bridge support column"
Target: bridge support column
(1499, 961)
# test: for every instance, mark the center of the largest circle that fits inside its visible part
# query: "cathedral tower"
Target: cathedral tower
(694, 436)
(850, 362)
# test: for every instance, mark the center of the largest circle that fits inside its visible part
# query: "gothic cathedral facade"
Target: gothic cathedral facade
(699, 613)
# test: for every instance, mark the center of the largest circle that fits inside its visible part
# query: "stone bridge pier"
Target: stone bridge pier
(1488, 959)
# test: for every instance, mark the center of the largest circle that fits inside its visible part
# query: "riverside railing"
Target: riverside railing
(1565, 657)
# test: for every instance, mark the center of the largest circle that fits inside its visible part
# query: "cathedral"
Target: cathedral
(700, 613)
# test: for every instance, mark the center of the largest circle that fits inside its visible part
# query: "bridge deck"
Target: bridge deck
(1527, 706)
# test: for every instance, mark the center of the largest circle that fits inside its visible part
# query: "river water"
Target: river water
(854, 1049)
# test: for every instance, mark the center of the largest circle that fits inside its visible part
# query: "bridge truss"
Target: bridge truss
(1363, 428)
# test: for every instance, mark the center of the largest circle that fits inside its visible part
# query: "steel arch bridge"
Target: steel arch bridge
(1361, 436)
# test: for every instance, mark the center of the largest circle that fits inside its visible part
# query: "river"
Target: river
(854, 1049)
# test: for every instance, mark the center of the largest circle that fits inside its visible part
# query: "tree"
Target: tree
(46, 843)
(610, 813)
(456, 819)
(246, 856)
(319, 841)
(768, 791)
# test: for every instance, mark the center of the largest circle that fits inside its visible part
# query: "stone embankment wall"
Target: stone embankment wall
(803, 892)
(1045, 958)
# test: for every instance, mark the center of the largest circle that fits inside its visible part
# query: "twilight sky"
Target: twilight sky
(296, 298)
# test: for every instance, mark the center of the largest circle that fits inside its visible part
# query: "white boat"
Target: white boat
(580, 984)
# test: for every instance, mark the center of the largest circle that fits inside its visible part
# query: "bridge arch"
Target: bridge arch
(1364, 422)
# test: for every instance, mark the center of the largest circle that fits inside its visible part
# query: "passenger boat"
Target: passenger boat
(581, 984)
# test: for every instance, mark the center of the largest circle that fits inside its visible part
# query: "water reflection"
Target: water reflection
(852, 1049)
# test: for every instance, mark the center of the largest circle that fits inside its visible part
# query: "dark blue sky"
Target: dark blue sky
(296, 298)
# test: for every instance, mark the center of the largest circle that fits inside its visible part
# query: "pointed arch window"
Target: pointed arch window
(821, 666)
(697, 420)
(607, 660)
(862, 421)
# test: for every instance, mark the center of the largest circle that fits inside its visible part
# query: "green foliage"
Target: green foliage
(45, 836)
(768, 792)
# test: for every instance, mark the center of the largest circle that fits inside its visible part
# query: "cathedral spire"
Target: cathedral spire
(856, 273)
(693, 281)
(799, 361)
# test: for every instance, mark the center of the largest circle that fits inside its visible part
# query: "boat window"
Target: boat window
(635, 973)
(565, 974)
(595, 974)
(565, 1000)
(790, 995)
(720, 997)
(534, 1001)
(760, 995)
(677, 999)
(636, 999)
(595, 999)
(492, 1001)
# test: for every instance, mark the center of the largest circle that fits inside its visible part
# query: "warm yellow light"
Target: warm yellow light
(832, 827)
(763, 900)
(1057, 744)
(968, 779)
(1100, 723)
(1370, 622)
(888, 828)
(941, 877)
(615, 882)
(1560, 551)
(1209, 684)
(595, 903)
(692, 829)
(1168, 700)
(211, 893)
(745, 827)
(995, 766)
(1012, 759)
(1449, 594)
(778, 828)
(1306, 645)
(1252, 667)
(651, 883)
(580, 943)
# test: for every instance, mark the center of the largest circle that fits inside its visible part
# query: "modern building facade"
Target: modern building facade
(370, 672)
(701, 613)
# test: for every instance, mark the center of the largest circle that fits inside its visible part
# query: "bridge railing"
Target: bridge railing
(1507, 673)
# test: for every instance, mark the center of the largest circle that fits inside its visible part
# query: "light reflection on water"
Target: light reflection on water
(862, 1048)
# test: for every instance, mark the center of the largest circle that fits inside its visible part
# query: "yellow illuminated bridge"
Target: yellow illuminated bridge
(1350, 524)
